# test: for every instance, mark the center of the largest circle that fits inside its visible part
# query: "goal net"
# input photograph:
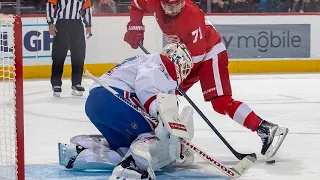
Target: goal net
(11, 99)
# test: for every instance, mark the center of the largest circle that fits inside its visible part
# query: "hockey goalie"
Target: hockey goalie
(134, 145)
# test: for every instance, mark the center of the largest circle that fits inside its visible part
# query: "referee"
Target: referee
(68, 32)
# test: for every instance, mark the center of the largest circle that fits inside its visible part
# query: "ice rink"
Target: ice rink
(291, 100)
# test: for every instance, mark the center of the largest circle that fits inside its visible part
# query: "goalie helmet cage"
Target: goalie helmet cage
(11, 99)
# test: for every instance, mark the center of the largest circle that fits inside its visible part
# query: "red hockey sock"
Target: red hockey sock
(238, 111)
(252, 121)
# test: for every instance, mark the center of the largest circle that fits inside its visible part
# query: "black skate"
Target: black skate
(68, 153)
(127, 170)
(56, 91)
(268, 131)
(77, 90)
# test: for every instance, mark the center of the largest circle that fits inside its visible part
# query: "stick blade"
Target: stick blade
(245, 164)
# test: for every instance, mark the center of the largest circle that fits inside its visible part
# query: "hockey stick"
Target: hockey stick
(233, 172)
(240, 156)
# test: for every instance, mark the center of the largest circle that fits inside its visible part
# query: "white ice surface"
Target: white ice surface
(291, 100)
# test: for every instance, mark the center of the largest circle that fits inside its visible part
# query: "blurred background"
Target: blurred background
(208, 6)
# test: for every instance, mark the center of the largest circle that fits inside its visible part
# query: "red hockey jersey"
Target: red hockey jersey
(190, 26)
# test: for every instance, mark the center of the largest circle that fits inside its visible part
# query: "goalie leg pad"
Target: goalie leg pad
(177, 125)
(78, 158)
(89, 152)
(89, 160)
(151, 154)
(92, 142)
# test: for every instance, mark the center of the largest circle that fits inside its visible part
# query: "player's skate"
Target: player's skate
(77, 90)
(268, 132)
(128, 170)
(56, 91)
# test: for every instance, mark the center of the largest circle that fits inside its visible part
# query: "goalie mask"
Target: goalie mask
(181, 58)
(172, 7)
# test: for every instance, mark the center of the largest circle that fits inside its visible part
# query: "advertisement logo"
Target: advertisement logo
(37, 41)
(5, 45)
(266, 40)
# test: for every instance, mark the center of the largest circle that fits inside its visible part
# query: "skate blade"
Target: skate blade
(115, 177)
(76, 93)
(56, 94)
(274, 147)
(61, 151)
(124, 176)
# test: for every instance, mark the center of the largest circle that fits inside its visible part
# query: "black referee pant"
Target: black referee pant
(70, 34)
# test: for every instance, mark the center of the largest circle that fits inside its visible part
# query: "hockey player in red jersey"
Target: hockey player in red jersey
(182, 21)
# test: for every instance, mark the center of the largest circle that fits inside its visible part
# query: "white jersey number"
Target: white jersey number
(197, 33)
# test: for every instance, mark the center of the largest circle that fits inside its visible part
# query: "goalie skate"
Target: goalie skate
(127, 170)
(77, 90)
(68, 154)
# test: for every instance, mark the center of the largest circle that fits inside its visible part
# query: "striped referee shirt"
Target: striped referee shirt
(69, 9)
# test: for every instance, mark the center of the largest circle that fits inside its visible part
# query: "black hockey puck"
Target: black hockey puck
(271, 162)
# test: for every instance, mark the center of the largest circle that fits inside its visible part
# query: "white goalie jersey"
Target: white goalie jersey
(145, 75)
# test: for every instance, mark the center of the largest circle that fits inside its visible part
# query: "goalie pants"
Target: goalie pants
(117, 122)
(69, 35)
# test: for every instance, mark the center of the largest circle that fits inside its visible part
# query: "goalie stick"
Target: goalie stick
(240, 156)
(233, 172)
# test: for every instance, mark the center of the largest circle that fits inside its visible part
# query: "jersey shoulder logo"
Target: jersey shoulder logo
(163, 69)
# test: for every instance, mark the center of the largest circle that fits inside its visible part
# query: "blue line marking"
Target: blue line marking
(32, 57)
(34, 25)
(27, 25)
(5, 25)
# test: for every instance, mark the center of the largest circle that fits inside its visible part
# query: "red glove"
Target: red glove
(134, 34)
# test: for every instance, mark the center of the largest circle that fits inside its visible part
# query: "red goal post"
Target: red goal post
(11, 99)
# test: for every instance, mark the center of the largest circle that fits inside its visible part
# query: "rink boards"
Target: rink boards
(255, 43)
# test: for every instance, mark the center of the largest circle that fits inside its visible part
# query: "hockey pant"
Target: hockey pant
(117, 122)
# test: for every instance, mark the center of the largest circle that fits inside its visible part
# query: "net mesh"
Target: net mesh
(8, 145)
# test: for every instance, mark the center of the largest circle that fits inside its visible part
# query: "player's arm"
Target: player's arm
(135, 28)
(137, 10)
(50, 11)
(87, 13)
(151, 81)
(155, 88)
